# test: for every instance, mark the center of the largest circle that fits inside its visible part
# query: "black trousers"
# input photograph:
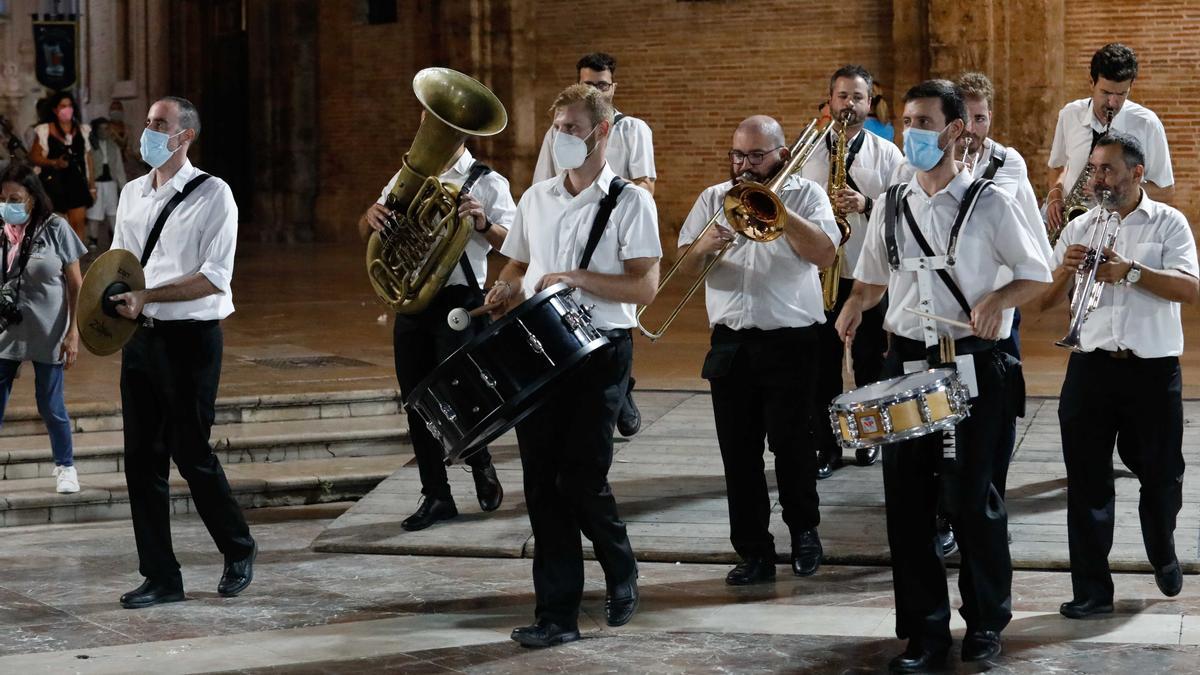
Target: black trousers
(1136, 403)
(169, 377)
(566, 451)
(762, 382)
(916, 476)
(867, 351)
(1012, 346)
(419, 343)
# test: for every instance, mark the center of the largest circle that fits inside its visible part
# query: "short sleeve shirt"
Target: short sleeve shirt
(43, 295)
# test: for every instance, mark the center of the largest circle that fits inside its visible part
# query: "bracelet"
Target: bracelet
(487, 225)
(1056, 187)
(869, 205)
(1055, 201)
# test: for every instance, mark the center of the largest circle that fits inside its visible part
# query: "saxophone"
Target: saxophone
(1078, 202)
(831, 277)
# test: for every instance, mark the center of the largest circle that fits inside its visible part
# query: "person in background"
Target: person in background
(110, 178)
(879, 119)
(62, 150)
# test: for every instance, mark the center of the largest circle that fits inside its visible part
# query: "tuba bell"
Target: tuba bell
(410, 260)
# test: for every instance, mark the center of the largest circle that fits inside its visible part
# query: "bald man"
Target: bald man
(762, 367)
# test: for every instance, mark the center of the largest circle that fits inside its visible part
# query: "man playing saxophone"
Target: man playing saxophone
(1132, 339)
(1080, 123)
(868, 161)
(764, 304)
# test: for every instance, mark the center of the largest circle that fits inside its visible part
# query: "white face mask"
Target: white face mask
(570, 152)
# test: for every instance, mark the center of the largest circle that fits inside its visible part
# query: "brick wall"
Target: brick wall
(692, 70)
(1163, 33)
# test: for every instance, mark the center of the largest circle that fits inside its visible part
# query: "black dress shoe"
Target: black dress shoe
(866, 456)
(806, 553)
(946, 538)
(621, 602)
(543, 634)
(752, 571)
(1169, 579)
(825, 464)
(980, 645)
(487, 487)
(629, 420)
(431, 510)
(1081, 609)
(238, 574)
(153, 592)
(917, 659)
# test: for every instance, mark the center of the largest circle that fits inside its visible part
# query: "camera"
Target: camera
(10, 311)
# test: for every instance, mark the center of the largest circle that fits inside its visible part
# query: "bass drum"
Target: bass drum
(505, 372)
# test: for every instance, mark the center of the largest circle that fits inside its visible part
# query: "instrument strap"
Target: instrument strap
(999, 154)
(618, 117)
(477, 171)
(964, 210)
(152, 240)
(606, 208)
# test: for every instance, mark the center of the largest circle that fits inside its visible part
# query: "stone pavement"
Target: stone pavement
(671, 492)
(311, 612)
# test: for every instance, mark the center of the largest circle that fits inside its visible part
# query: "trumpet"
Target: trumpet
(753, 210)
(1086, 295)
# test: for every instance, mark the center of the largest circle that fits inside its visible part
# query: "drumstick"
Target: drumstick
(459, 318)
(935, 317)
(848, 361)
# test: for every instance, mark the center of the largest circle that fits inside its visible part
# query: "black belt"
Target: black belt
(617, 334)
(150, 322)
(722, 331)
(915, 349)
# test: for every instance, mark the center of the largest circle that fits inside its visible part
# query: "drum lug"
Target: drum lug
(448, 412)
(923, 407)
(487, 379)
(886, 417)
(574, 321)
(535, 344)
(433, 430)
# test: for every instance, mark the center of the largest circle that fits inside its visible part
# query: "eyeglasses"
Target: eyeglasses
(755, 157)
(600, 86)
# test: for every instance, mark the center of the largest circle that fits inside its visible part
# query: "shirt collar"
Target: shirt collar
(1094, 124)
(177, 182)
(956, 188)
(1145, 205)
(463, 164)
(603, 181)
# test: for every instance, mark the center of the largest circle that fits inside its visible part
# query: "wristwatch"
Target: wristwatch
(1134, 273)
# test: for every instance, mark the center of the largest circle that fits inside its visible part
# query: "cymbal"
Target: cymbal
(101, 329)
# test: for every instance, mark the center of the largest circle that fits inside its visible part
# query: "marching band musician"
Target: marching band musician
(986, 158)
(1081, 122)
(630, 156)
(423, 340)
(1133, 337)
(931, 224)
(592, 230)
(870, 161)
(764, 306)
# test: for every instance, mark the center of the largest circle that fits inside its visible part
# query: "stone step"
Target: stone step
(23, 420)
(99, 452)
(32, 501)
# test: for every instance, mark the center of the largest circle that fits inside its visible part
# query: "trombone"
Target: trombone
(753, 210)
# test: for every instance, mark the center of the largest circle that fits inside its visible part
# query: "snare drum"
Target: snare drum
(899, 409)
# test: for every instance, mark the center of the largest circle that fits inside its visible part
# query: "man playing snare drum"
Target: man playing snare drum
(912, 253)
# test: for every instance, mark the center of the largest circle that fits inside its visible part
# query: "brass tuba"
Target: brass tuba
(831, 277)
(753, 210)
(410, 260)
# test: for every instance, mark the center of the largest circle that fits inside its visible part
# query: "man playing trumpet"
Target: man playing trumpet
(764, 304)
(1132, 338)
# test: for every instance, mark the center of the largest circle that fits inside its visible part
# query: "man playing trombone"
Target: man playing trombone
(1123, 383)
(764, 303)
(869, 162)
(967, 231)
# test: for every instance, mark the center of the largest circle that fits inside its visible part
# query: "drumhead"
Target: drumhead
(896, 386)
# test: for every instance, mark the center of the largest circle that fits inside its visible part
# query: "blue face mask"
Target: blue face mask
(154, 147)
(921, 148)
(13, 214)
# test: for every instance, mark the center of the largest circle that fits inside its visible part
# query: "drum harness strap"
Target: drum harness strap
(477, 171)
(152, 240)
(607, 204)
(929, 263)
(999, 154)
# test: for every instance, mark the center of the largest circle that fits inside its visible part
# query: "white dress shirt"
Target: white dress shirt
(630, 151)
(764, 285)
(200, 236)
(1073, 140)
(551, 230)
(873, 165)
(991, 239)
(1013, 178)
(1128, 317)
(492, 192)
